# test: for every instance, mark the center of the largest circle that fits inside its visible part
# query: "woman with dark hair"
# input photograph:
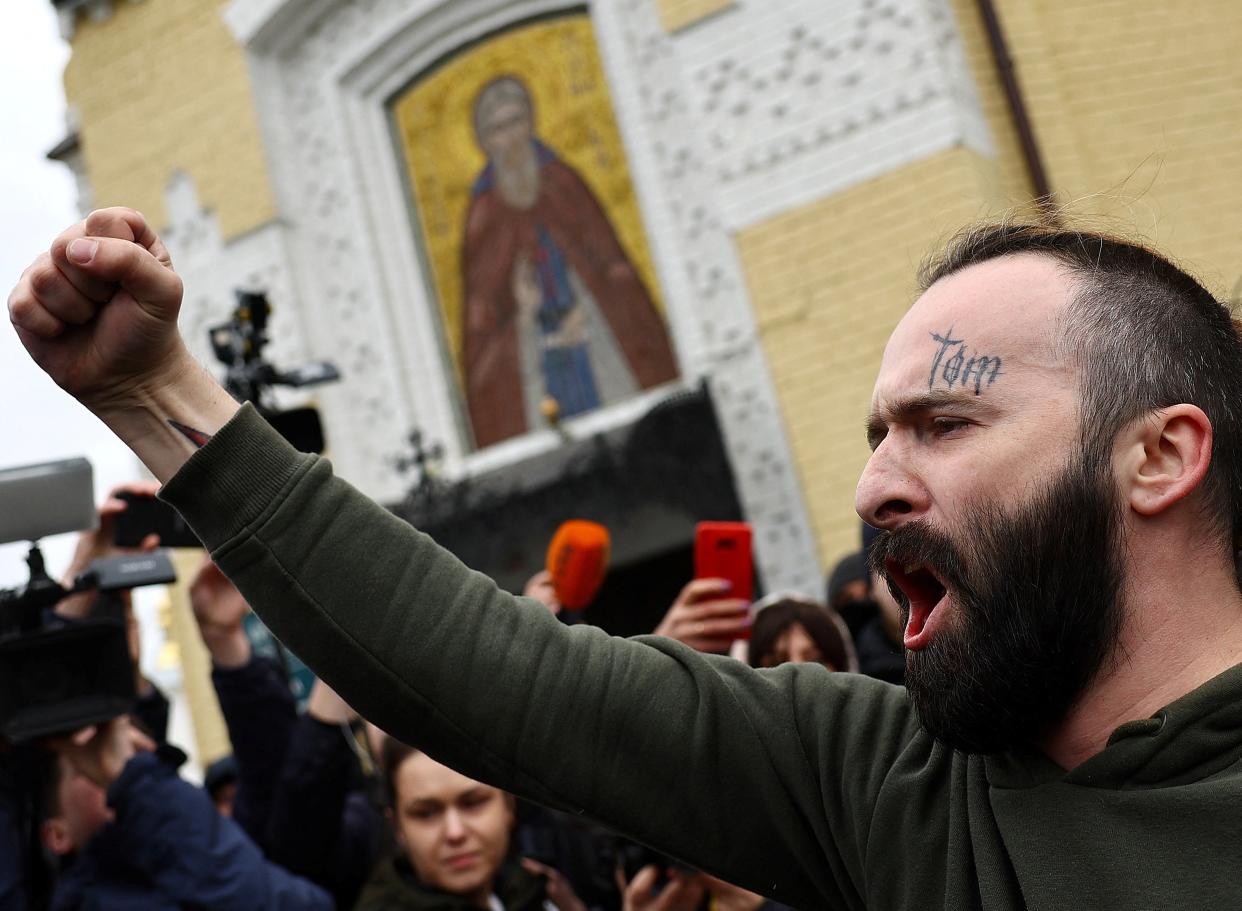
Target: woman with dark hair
(454, 833)
(789, 627)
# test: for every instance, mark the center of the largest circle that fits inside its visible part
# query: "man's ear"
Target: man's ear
(1164, 457)
(54, 834)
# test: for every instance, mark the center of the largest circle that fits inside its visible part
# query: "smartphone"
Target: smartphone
(146, 515)
(722, 551)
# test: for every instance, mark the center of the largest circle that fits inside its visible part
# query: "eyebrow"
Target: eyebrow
(905, 410)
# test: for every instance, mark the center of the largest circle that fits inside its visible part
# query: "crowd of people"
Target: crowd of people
(318, 808)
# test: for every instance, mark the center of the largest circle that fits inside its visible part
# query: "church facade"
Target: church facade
(519, 225)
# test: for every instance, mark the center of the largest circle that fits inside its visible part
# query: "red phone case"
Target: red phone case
(722, 551)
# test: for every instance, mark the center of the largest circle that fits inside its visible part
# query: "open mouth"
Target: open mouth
(924, 591)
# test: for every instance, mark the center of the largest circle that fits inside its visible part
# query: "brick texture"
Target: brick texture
(162, 86)
(1138, 109)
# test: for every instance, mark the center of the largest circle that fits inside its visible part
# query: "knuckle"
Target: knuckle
(19, 308)
(96, 219)
(43, 279)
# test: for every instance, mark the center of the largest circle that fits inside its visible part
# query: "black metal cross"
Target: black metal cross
(425, 459)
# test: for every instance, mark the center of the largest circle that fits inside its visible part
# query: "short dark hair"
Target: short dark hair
(393, 753)
(1145, 335)
(821, 624)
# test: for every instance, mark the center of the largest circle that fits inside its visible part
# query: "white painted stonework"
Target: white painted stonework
(798, 99)
(212, 270)
(767, 106)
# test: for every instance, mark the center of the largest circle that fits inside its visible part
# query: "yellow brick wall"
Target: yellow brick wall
(829, 281)
(210, 735)
(1138, 108)
(1138, 113)
(161, 86)
(1007, 184)
(678, 14)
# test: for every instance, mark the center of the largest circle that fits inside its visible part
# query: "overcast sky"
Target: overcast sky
(38, 422)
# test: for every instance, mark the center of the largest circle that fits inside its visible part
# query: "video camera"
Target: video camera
(239, 344)
(58, 675)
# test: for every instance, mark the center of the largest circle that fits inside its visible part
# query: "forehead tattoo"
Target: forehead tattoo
(954, 364)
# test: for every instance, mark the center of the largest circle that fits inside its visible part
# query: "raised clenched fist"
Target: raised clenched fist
(98, 311)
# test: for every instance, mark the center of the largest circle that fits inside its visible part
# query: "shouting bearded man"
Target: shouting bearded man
(1056, 470)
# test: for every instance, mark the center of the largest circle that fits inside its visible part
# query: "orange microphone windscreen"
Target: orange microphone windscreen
(577, 561)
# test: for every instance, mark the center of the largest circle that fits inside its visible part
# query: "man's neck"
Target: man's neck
(1181, 630)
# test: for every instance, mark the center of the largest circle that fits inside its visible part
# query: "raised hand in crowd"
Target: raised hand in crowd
(254, 697)
(682, 892)
(100, 752)
(705, 618)
(219, 610)
(728, 897)
(540, 587)
(557, 888)
(100, 542)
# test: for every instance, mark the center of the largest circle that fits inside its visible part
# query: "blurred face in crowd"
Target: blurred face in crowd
(224, 798)
(80, 810)
(795, 646)
(852, 591)
(1001, 541)
(454, 830)
(791, 629)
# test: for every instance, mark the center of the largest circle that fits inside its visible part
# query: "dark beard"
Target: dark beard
(1038, 611)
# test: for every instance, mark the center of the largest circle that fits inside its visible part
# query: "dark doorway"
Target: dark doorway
(648, 483)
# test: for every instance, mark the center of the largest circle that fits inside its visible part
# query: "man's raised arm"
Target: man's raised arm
(769, 779)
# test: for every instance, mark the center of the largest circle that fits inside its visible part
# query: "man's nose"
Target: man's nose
(889, 493)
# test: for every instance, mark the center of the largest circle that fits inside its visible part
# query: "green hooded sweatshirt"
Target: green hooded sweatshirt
(817, 789)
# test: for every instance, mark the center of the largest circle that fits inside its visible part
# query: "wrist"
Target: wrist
(228, 650)
(182, 391)
(326, 706)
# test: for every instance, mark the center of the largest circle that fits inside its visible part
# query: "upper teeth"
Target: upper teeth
(913, 567)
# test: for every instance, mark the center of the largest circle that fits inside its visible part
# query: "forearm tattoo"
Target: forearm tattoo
(961, 368)
(197, 437)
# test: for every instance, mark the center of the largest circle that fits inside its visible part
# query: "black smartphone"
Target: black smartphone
(146, 515)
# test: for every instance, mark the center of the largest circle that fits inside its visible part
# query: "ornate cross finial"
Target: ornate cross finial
(424, 458)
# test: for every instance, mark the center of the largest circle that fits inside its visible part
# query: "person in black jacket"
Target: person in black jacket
(258, 709)
(300, 792)
(135, 836)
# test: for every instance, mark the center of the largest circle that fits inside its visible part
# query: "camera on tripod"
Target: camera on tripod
(239, 344)
(56, 675)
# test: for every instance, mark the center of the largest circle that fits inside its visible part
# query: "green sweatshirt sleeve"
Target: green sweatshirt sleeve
(768, 778)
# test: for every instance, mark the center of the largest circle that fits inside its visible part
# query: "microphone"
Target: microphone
(578, 561)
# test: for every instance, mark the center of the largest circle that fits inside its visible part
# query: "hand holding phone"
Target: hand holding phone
(145, 515)
(722, 550)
